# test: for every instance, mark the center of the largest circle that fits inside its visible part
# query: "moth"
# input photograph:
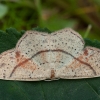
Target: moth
(40, 56)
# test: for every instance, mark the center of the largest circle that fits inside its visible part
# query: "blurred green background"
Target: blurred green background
(81, 15)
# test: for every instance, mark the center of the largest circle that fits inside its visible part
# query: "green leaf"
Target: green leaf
(3, 10)
(76, 89)
(42, 29)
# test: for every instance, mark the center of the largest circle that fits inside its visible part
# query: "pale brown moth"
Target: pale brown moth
(40, 56)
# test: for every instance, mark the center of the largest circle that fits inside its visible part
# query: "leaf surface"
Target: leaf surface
(76, 89)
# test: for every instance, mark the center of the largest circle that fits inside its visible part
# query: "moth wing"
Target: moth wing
(32, 42)
(87, 65)
(12, 68)
(65, 45)
(7, 63)
(67, 40)
(35, 46)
